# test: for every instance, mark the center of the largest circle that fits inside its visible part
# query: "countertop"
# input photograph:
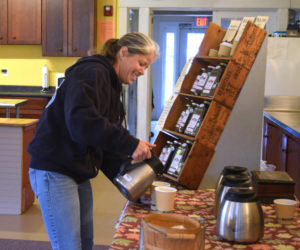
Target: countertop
(288, 120)
(16, 122)
(285, 112)
(25, 91)
(11, 103)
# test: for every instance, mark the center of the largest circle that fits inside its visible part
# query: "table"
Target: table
(195, 203)
(12, 103)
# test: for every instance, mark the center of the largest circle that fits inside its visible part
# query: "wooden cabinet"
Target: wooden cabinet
(292, 162)
(3, 21)
(221, 103)
(68, 27)
(282, 149)
(20, 22)
(274, 142)
(32, 109)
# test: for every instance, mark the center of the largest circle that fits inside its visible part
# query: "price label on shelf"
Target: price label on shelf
(231, 31)
(261, 21)
(164, 114)
(182, 75)
(242, 27)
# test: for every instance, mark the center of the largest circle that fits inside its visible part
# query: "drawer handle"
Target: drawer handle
(74, 49)
(284, 144)
(1, 37)
(14, 38)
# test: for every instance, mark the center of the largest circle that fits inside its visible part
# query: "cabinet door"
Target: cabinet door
(24, 22)
(293, 159)
(55, 30)
(81, 27)
(275, 144)
(3, 21)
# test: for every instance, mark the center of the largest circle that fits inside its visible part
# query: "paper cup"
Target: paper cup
(224, 49)
(164, 197)
(213, 52)
(152, 192)
(285, 210)
(234, 45)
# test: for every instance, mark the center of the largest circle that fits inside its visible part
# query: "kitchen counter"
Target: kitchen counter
(284, 111)
(16, 194)
(25, 91)
(282, 103)
(200, 203)
(14, 122)
(288, 120)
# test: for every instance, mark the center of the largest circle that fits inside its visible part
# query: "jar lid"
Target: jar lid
(241, 195)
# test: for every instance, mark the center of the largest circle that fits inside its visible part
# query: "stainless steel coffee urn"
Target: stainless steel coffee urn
(230, 181)
(240, 218)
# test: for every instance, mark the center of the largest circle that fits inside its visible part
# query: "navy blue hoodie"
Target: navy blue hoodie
(80, 130)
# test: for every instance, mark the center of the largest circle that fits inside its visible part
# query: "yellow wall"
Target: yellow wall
(24, 62)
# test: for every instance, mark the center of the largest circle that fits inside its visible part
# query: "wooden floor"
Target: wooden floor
(108, 205)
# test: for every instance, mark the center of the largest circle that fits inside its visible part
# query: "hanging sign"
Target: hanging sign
(201, 21)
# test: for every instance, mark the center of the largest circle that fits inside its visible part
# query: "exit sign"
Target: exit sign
(201, 21)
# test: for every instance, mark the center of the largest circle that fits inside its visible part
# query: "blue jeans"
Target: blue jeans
(67, 209)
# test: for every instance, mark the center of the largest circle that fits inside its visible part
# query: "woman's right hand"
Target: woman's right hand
(142, 151)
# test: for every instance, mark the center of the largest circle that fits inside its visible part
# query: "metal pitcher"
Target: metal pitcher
(135, 178)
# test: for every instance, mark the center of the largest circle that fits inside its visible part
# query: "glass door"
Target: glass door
(179, 40)
(190, 39)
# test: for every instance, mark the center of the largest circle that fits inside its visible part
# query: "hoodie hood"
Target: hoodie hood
(96, 59)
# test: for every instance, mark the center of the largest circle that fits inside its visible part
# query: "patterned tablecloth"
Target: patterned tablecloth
(195, 203)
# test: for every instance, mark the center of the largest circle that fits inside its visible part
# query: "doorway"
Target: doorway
(179, 39)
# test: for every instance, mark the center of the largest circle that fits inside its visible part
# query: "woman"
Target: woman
(81, 132)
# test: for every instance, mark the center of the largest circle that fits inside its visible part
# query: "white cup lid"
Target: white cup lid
(165, 189)
(285, 202)
(227, 44)
(160, 183)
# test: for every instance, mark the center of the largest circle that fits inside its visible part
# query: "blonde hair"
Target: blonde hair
(136, 42)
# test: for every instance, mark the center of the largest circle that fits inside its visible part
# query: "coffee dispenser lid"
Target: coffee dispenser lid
(241, 180)
(234, 170)
(241, 195)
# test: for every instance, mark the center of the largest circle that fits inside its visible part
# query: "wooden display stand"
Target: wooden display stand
(16, 194)
(222, 102)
